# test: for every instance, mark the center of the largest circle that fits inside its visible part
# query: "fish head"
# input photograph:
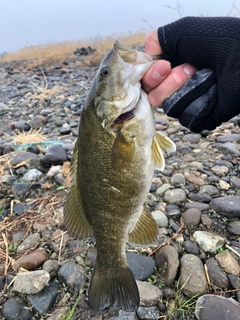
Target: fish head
(116, 88)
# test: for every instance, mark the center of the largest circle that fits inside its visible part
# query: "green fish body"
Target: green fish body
(112, 168)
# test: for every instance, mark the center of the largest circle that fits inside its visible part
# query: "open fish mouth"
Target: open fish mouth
(126, 116)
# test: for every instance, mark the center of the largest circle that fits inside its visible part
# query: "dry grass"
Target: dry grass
(46, 54)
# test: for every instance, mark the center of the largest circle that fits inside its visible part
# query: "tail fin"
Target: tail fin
(115, 287)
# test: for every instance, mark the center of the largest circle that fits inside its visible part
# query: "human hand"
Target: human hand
(212, 95)
(160, 82)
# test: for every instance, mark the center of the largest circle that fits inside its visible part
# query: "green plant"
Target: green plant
(220, 250)
(158, 277)
(2, 208)
(12, 247)
(71, 312)
(183, 305)
(60, 188)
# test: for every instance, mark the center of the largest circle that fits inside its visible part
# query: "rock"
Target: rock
(228, 138)
(31, 282)
(167, 261)
(192, 276)
(53, 170)
(55, 155)
(33, 175)
(91, 257)
(206, 220)
(37, 122)
(160, 218)
(210, 306)
(148, 313)
(201, 197)
(228, 263)
(52, 267)
(15, 308)
(18, 209)
(178, 179)
(217, 276)
(235, 182)
(43, 301)
(196, 205)
(194, 179)
(29, 242)
(228, 206)
(191, 247)
(209, 242)
(160, 191)
(20, 190)
(191, 217)
(119, 315)
(31, 260)
(220, 171)
(72, 275)
(234, 280)
(210, 190)
(192, 138)
(149, 294)
(234, 227)
(141, 266)
(24, 157)
(175, 196)
(228, 147)
(59, 314)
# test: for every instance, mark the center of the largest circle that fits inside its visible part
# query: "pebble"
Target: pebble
(220, 171)
(31, 282)
(210, 306)
(55, 155)
(160, 218)
(149, 294)
(192, 276)
(43, 301)
(33, 175)
(191, 217)
(228, 263)
(191, 247)
(52, 267)
(167, 261)
(210, 190)
(178, 178)
(228, 147)
(208, 241)
(234, 227)
(141, 266)
(148, 313)
(228, 206)
(175, 196)
(29, 242)
(72, 275)
(15, 308)
(194, 179)
(217, 276)
(31, 260)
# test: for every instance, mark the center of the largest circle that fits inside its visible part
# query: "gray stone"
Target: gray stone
(31, 282)
(197, 205)
(211, 307)
(120, 315)
(191, 247)
(72, 275)
(175, 196)
(192, 276)
(234, 280)
(192, 138)
(141, 266)
(209, 189)
(178, 178)
(235, 182)
(15, 308)
(201, 197)
(55, 155)
(91, 257)
(228, 138)
(234, 227)
(29, 242)
(33, 175)
(220, 171)
(209, 242)
(148, 313)
(43, 301)
(228, 147)
(191, 217)
(149, 294)
(228, 206)
(52, 267)
(160, 218)
(160, 191)
(37, 122)
(24, 156)
(217, 276)
(167, 261)
(228, 263)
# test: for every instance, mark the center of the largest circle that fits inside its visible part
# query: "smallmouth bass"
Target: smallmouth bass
(112, 168)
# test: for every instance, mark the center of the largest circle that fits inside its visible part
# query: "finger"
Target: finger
(155, 75)
(151, 43)
(176, 78)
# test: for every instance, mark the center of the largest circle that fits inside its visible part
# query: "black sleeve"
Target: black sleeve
(211, 44)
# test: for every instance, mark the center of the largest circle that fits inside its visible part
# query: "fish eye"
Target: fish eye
(104, 72)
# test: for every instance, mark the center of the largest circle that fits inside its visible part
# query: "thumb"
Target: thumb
(151, 43)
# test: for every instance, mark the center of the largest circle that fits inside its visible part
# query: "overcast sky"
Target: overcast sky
(31, 22)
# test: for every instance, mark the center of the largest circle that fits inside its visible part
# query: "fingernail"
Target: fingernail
(156, 74)
(189, 69)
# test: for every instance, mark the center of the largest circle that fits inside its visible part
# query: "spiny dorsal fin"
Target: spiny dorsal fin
(161, 144)
(145, 230)
(74, 214)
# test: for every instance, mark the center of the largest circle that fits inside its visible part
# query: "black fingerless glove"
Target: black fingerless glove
(212, 96)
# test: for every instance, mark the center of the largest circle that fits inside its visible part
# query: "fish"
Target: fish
(113, 162)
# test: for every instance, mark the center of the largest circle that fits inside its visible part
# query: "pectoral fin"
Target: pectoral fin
(74, 214)
(145, 230)
(161, 144)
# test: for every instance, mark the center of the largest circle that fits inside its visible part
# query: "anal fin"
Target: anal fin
(145, 230)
